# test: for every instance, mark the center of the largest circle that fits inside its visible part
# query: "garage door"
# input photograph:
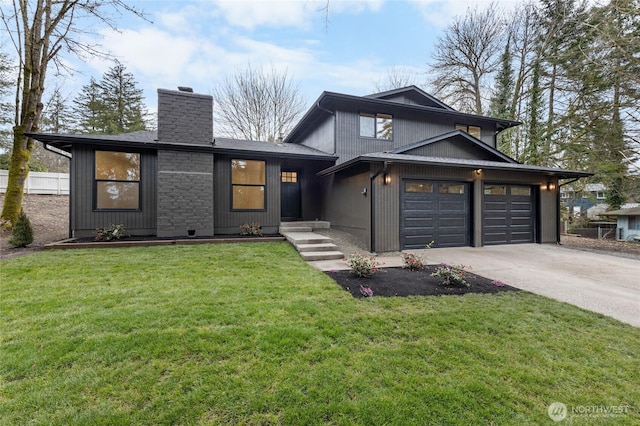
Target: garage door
(508, 214)
(435, 211)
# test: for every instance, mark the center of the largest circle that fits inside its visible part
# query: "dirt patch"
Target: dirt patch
(391, 282)
(49, 216)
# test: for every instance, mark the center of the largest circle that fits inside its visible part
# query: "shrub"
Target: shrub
(412, 261)
(253, 228)
(366, 291)
(22, 232)
(362, 265)
(113, 232)
(452, 276)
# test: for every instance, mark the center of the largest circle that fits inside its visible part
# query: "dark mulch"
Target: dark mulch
(389, 282)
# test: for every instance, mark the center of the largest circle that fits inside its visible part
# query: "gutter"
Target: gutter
(372, 208)
(558, 218)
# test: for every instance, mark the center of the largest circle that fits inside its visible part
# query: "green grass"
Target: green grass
(250, 334)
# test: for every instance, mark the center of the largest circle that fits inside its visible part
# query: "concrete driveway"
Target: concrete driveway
(600, 283)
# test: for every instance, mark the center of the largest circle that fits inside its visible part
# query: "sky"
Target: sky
(199, 43)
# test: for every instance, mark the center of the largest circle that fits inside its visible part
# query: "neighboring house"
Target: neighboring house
(582, 202)
(397, 169)
(628, 222)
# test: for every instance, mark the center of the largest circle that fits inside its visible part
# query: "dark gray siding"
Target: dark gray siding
(310, 185)
(453, 149)
(185, 194)
(84, 220)
(345, 205)
(323, 136)
(408, 127)
(227, 221)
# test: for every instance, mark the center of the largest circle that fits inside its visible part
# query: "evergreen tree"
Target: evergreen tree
(6, 110)
(112, 106)
(501, 100)
(22, 231)
(532, 151)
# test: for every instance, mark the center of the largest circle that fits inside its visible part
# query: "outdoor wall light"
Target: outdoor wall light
(386, 179)
(478, 171)
(551, 186)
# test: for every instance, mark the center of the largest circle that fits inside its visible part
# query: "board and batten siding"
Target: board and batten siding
(84, 219)
(323, 137)
(227, 221)
(345, 205)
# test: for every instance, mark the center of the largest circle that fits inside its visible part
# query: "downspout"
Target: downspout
(335, 131)
(558, 218)
(69, 157)
(372, 206)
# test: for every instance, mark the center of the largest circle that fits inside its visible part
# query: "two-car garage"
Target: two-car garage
(441, 211)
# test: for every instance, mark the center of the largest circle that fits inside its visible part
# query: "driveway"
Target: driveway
(600, 283)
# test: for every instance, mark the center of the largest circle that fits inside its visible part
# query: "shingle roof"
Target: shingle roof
(452, 162)
(633, 211)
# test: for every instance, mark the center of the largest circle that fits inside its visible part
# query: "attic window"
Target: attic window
(474, 131)
(379, 126)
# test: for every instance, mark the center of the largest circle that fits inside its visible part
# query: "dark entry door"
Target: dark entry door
(289, 195)
(435, 211)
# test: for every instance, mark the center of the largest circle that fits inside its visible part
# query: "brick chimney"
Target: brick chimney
(185, 117)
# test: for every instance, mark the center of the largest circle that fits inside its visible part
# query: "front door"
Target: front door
(289, 195)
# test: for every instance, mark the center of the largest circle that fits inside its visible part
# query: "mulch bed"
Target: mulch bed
(390, 282)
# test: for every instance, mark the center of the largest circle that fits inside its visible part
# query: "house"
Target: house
(628, 223)
(397, 169)
(589, 202)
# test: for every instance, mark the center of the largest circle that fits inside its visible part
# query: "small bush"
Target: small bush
(113, 232)
(254, 229)
(452, 276)
(362, 265)
(22, 232)
(412, 261)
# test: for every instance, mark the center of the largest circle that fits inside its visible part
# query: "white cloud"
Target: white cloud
(441, 13)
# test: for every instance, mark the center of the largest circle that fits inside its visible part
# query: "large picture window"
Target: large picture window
(379, 126)
(117, 180)
(248, 184)
(474, 131)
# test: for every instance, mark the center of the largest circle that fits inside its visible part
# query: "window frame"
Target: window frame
(97, 181)
(377, 118)
(249, 185)
(467, 129)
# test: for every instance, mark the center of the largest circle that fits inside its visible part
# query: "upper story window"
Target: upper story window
(117, 180)
(474, 131)
(379, 126)
(248, 184)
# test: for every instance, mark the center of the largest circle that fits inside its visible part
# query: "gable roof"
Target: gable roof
(381, 157)
(329, 102)
(148, 140)
(414, 93)
(460, 136)
(633, 211)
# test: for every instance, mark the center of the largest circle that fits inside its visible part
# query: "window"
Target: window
(521, 190)
(495, 190)
(379, 126)
(474, 131)
(634, 223)
(117, 180)
(600, 195)
(289, 177)
(248, 184)
(418, 187)
(450, 188)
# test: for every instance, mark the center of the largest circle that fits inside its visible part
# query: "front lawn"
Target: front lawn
(250, 334)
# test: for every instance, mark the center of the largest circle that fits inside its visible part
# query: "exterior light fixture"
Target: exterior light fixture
(551, 186)
(478, 171)
(386, 179)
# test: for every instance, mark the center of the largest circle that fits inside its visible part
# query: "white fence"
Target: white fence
(40, 183)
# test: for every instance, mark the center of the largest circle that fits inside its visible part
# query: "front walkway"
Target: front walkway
(600, 283)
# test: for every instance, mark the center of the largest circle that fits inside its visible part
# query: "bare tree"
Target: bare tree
(39, 30)
(257, 105)
(464, 58)
(397, 77)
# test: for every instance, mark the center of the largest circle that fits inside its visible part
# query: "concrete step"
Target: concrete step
(321, 255)
(316, 247)
(313, 224)
(297, 238)
(286, 229)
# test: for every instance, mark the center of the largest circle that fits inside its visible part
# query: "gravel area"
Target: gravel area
(49, 215)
